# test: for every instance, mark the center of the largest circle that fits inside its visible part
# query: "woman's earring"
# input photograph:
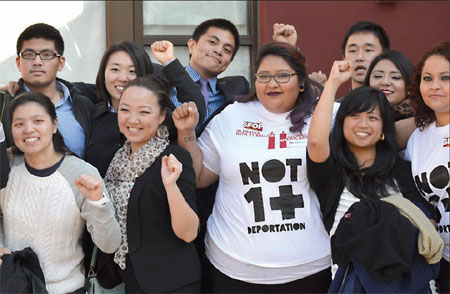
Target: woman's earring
(382, 137)
(160, 132)
(301, 87)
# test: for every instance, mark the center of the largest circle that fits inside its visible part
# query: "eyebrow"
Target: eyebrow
(217, 39)
(393, 71)
(115, 63)
(34, 116)
(441, 73)
(365, 44)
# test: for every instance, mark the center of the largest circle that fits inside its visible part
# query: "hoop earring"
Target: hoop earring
(160, 132)
(382, 137)
(301, 87)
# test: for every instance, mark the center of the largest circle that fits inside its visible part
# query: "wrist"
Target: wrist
(168, 61)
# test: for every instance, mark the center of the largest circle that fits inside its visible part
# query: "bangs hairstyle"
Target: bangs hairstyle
(49, 107)
(307, 99)
(141, 61)
(371, 182)
(424, 115)
(401, 62)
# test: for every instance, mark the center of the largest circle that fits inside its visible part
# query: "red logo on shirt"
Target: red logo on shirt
(253, 126)
(446, 142)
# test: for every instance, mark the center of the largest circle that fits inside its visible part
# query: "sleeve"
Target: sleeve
(4, 160)
(404, 178)
(186, 181)
(87, 90)
(208, 144)
(100, 220)
(409, 147)
(319, 173)
(187, 90)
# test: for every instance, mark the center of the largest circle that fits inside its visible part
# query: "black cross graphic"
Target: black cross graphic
(287, 202)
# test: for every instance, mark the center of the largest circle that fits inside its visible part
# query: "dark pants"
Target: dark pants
(316, 283)
(443, 279)
(132, 286)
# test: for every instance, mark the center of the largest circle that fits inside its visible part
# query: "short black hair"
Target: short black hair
(41, 31)
(220, 23)
(367, 27)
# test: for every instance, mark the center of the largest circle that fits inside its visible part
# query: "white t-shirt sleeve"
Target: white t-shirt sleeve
(208, 145)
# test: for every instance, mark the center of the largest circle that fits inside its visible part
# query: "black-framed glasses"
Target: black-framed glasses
(44, 55)
(282, 77)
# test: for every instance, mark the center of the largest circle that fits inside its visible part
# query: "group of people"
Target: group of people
(187, 182)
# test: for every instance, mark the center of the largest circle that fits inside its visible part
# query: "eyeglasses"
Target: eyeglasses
(44, 55)
(282, 77)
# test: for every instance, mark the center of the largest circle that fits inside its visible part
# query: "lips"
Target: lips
(120, 88)
(37, 72)
(272, 94)
(387, 92)
(360, 69)
(216, 59)
(362, 134)
(31, 139)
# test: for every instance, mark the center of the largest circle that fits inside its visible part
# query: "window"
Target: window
(150, 21)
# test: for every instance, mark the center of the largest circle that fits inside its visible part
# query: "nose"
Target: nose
(28, 128)
(124, 77)
(435, 84)
(37, 60)
(360, 55)
(272, 83)
(386, 80)
(218, 50)
(133, 118)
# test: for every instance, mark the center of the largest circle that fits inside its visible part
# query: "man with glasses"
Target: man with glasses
(40, 49)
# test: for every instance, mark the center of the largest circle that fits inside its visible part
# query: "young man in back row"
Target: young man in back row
(40, 50)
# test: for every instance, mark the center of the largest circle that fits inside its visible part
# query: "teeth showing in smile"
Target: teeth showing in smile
(387, 92)
(120, 88)
(31, 139)
(133, 129)
(362, 134)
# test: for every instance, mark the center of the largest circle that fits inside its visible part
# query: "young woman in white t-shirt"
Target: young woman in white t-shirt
(429, 146)
(265, 233)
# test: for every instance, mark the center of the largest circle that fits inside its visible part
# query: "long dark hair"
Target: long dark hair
(401, 62)
(424, 115)
(47, 104)
(141, 61)
(374, 181)
(307, 99)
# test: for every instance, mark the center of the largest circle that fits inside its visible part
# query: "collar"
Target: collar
(195, 76)
(59, 86)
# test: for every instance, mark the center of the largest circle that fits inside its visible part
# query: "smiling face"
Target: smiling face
(277, 97)
(139, 116)
(361, 49)
(33, 130)
(212, 53)
(39, 74)
(386, 77)
(434, 87)
(118, 72)
(362, 130)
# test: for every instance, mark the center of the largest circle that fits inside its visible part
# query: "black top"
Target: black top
(105, 138)
(328, 182)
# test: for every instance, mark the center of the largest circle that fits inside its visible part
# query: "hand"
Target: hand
(185, 117)
(171, 169)
(12, 88)
(90, 186)
(341, 71)
(3, 251)
(284, 33)
(318, 77)
(163, 51)
(10, 153)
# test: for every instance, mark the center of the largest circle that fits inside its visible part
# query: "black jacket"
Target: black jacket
(161, 261)
(21, 273)
(328, 182)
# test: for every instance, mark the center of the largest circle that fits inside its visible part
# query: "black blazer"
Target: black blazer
(161, 261)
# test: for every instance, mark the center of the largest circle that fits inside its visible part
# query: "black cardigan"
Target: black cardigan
(328, 182)
(161, 261)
